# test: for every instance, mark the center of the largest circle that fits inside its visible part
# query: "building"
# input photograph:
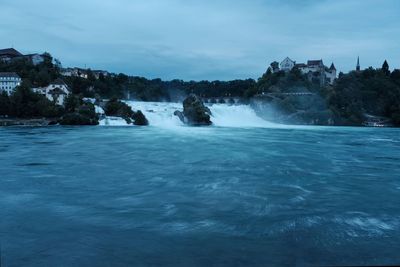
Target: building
(315, 70)
(8, 54)
(330, 74)
(287, 64)
(98, 73)
(358, 67)
(57, 91)
(67, 72)
(74, 72)
(9, 81)
(36, 59)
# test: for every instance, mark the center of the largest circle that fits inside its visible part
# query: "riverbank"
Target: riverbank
(34, 122)
(161, 114)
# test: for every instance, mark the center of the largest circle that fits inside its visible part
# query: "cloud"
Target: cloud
(202, 39)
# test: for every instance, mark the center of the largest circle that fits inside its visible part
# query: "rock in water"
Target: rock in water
(194, 112)
(140, 119)
(180, 115)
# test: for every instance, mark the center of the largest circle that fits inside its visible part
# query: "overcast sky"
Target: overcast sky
(203, 39)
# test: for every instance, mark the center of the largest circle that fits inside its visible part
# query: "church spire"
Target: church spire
(358, 68)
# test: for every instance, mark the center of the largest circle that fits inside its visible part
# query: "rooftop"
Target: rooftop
(315, 62)
(9, 74)
(10, 52)
(57, 91)
(58, 82)
(301, 65)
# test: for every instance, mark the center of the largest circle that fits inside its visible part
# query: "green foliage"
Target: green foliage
(37, 76)
(281, 82)
(367, 92)
(24, 103)
(354, 95)
(176, 90)
(385, 68)
(114, 107)
(77, 119)
(5, 104)
(120, 85)
(79, 112)
(72, 103)
(372, 91)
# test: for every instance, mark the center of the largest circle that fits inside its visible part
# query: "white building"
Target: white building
(287, 64)
(57, 91)
(98, 73)
(74, 72)
(317, 72)
(9, 81)
(330, 74)
(68, 72)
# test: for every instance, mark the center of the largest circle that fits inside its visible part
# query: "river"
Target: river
(244, 192)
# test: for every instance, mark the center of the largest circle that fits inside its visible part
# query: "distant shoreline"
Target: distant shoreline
(43, 122)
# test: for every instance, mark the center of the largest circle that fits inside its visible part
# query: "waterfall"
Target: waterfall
(161, 114)
(224, 115)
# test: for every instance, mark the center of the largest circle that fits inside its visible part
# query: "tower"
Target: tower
(358, 68)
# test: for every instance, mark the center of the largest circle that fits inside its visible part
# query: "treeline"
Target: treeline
(139, 88)
(272, 100)
(23, 103)
(34, 75)
(351, 100)
(369, 92)
(282, 82)
(121, 85)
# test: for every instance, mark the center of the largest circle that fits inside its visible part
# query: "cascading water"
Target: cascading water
(224, 115)
(161, 114)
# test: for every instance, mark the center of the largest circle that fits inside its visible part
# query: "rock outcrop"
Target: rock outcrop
(195, 113)
(78, 119)
(139, 119)
(117, 108)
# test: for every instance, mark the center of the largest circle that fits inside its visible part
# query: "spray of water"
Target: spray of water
(161, 114)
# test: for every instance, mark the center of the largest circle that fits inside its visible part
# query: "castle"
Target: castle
(315, 70)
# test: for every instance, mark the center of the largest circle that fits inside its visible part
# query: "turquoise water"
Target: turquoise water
(128, 196)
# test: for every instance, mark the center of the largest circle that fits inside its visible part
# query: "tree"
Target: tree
(27, 104)
(5, 104)
(385, 68)
(274, 66)
(90, 75)
(395, 76)
(72, 102)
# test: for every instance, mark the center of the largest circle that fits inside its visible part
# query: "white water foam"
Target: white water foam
(113, 121)
(224, 115)
(161, 114)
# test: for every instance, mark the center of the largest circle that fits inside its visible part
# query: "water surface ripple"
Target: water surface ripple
(129, 196)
